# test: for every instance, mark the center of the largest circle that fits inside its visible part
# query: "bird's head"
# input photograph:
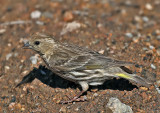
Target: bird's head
(40, 43)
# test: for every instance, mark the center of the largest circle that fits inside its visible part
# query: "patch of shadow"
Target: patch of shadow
(47, 77)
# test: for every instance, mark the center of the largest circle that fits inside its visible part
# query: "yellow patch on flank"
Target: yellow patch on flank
(123, 75)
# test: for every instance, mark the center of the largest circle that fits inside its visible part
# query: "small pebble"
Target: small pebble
(8, 56)
(34, 59)
(151, 47)
(117, 106)
(153, 66)
(145, 19)
(85, 97)
(144, 88)
(137, 19)
(7, 67)
(157, 88)
(22, 109)
(148, 6)
(9, 44)
(35, 14)
(129, 35)
(68, 16)
(95, 94)
(12, 105)
(2, 31)
(101, 51)
(39, 23)
(70, 27)
(63, 109)
(47, 14)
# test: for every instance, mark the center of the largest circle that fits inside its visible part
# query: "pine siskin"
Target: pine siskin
(80, 65)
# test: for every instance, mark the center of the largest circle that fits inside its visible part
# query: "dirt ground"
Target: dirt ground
(127, 30)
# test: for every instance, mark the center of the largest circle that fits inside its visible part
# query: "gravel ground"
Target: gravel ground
(123, 29)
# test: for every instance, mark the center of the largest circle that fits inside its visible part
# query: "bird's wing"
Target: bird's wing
(90, 62)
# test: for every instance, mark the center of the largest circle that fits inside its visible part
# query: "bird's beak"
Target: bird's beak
(26, 46)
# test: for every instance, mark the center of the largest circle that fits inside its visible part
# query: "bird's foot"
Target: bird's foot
(74, 99)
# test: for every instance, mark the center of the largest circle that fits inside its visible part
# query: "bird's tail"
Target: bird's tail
(135, 78)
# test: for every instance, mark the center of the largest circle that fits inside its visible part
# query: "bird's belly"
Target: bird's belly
(90, 76)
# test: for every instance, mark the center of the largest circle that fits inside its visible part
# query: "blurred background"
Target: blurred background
(127, 30)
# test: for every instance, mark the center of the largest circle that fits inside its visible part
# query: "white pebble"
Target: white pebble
(145, 19)
(153, 66)
(7, 67)
(35, 14)
(2, 31)
(101, 51)
(137, 18)
(8, 56)
(151, 47)
(95, 94)
(85, 97)
(148, 6)
(129, 35)
(70, 27)
(34, 59)
(39, 22)
(9, 44)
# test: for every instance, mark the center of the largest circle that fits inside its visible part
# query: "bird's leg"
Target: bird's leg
(85, 87)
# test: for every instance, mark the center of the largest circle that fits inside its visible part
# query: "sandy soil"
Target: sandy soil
(123, 29)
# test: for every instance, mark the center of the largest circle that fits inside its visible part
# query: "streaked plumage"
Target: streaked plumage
(78, 64)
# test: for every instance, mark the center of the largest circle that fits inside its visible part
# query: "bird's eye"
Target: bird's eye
(36, 42)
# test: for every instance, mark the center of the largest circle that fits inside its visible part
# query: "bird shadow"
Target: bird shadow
(47, 77)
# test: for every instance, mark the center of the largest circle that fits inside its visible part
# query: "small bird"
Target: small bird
(80, 65)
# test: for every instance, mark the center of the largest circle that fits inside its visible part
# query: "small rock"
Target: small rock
(70, 27)
(85, 97)
(80, 13)
(157, 88)
(2, 31)
(145, 19)
(22, 109)
(129, 35)
(143, 88)
(137, 19)
(153, 66)
(95, 94)
(63, 109)
(68, 16)
(34, 59)
(148, 6)
(9, 44)
(7, 67)
(18, 106)
(8, 56)
(39, 23)
(77, 109)
(35, 14)
(117, 107)
(47, 14)
(12, 105)
(151, 47)
(101, 51)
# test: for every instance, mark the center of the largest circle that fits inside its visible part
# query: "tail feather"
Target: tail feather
(135, 78)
